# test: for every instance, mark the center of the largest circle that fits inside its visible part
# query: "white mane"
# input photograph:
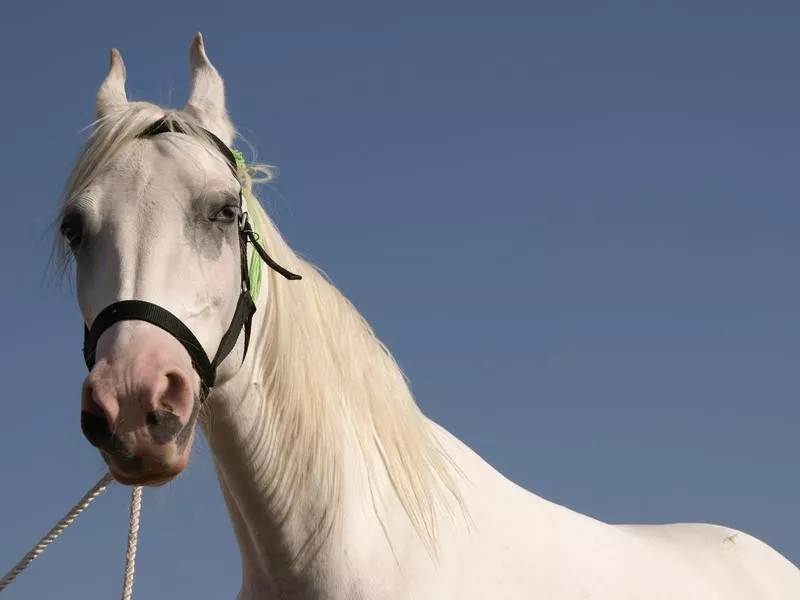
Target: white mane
(323, 368)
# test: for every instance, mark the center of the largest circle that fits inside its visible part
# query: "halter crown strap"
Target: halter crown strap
(166, 125)
(156, 315)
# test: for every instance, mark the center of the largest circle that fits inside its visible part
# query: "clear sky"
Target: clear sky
(577, 227)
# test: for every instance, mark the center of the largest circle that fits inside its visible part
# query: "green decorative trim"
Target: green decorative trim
(254, 270)
(255, 259)
(240, 164)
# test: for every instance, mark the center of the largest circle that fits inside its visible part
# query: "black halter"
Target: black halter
(154, 314)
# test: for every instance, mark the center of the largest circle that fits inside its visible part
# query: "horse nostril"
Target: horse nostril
(176, 396)
(96, 400)
(163, 426)
(96, 430)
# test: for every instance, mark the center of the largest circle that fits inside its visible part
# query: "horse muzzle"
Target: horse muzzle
(139, 408)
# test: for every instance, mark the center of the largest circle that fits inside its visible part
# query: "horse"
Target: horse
(337, 486)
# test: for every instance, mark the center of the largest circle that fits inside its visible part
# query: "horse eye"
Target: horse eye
(72, 231)
(227, 213)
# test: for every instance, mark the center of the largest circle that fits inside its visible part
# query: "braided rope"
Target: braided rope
(133, 538)
(69, 518)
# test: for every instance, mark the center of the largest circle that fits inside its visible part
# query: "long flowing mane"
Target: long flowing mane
(323, 369)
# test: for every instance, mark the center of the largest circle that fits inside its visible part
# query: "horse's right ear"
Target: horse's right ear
(111, 95)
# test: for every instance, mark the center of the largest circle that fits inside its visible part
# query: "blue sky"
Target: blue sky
(575, 225)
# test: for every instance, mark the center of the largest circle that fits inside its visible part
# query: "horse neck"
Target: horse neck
(294, 473)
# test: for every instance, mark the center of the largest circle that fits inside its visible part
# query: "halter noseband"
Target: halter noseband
(160, 317)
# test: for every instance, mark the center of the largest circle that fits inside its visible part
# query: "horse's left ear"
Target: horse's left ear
(207, 96)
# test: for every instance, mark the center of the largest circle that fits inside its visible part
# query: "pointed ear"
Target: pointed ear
(207, 95)
(111, 95)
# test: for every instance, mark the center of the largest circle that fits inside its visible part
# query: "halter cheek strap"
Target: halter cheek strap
(140, 310)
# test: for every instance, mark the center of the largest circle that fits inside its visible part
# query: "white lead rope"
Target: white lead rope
(69, 518)
(133, 537)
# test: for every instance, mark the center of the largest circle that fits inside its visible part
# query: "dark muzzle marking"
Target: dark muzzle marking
(98, 432)
(163, 426)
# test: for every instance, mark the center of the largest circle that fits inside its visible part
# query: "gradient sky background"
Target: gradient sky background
(576, 225)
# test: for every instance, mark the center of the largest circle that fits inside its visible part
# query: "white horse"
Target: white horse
(337, 486)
